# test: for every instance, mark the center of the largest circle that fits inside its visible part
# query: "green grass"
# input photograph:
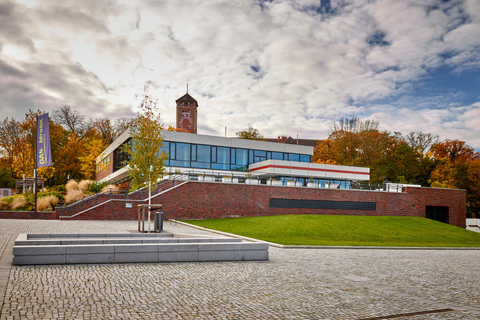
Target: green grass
(346, 231)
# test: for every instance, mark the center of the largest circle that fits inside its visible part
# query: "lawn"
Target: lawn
(327, 230)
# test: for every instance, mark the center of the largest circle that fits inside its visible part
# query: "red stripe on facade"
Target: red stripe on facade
(312, 169)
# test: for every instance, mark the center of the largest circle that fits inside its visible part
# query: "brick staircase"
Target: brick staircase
(102, 200)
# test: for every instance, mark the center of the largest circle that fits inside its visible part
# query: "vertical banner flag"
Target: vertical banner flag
(44, 155)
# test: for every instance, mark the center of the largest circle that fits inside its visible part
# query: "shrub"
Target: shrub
(59, 188)
(74, 195)
(4, 205)
(96, 187)
(19, 203)
(83, 185)
(110, 188)
(47, 203)
(71, 185)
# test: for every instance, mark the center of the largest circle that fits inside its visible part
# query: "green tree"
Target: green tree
(250, 134)
(145, 155)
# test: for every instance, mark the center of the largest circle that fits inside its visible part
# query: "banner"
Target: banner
(44, 154)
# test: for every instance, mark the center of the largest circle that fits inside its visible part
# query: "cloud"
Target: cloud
(284, 67)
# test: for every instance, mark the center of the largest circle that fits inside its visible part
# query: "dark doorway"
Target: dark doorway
(437, 213)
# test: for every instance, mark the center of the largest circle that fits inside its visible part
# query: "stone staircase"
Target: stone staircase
(44, 249)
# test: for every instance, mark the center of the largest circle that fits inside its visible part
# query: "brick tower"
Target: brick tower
(187, 113)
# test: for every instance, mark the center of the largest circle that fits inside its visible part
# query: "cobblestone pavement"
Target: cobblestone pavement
(293, 284)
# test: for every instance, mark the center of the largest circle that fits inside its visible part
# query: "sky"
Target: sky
(284, 67)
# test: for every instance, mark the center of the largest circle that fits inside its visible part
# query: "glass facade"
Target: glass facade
(201, 156)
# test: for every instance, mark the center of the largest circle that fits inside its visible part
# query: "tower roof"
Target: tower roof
(186, 98)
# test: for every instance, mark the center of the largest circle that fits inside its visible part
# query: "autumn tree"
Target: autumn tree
(111, 130)
(457, 167)
(71, 120)
(421, 142)
(174, 129)
(10, 132)
(358, 142)
(88, 161)
(322, 153)
(250, 134)
(145, 155)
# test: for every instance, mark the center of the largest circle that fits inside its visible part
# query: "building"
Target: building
(215, 177)
(187, 113)
(211, 156)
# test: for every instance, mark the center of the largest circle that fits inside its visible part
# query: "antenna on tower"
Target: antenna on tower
(187, 88)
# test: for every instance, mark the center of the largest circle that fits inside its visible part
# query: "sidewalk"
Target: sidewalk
(294, 284)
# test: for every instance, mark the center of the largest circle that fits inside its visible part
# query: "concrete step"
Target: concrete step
(81, 249)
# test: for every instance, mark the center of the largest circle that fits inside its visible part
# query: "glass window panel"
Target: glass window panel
(203, 153)
(183, 151)
(214, 154)
(172, 150)
(179, 163)
(294, 157)
(221, 166)
(269, 155)
(201, 165)
(241, 160)
(250, 156)
(232, 156)
(242, 157)
(305, 158)
(194, 152)
(223, 155)
(277, 155)
(260, 153)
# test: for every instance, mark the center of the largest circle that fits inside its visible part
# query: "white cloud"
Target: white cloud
(283, 67)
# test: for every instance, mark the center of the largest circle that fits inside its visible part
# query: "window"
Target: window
(241, 161)
(182, 158)
(293, 157)
(277, 155)
(305, 158)
(232, 156)
(172, 151)
(194, 152)
(202, 157)
(223, 159)
(166, 148)
(214, 154)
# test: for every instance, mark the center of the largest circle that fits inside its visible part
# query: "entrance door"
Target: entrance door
(437, 213)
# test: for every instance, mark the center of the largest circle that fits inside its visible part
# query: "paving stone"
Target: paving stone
(293, 284)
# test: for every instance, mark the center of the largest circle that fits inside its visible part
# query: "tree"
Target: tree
(422, 142)
(323, 151)
(145, 155)
(10, 132)
(174, 129)
(457, 167)
(72, 120)
(110, 131)
(250, 134)
(6, 177)
(88, 161)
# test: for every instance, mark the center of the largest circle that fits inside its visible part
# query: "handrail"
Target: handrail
(132, 200)
(96, 195)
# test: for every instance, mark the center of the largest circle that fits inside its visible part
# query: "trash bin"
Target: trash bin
(158, 223)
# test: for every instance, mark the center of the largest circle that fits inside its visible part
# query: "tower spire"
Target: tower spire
(187, 88)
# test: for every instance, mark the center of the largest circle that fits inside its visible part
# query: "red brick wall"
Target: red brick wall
(216, 200)
(28, 215)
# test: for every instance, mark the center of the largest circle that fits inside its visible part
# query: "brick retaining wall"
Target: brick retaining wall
(196, 200)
